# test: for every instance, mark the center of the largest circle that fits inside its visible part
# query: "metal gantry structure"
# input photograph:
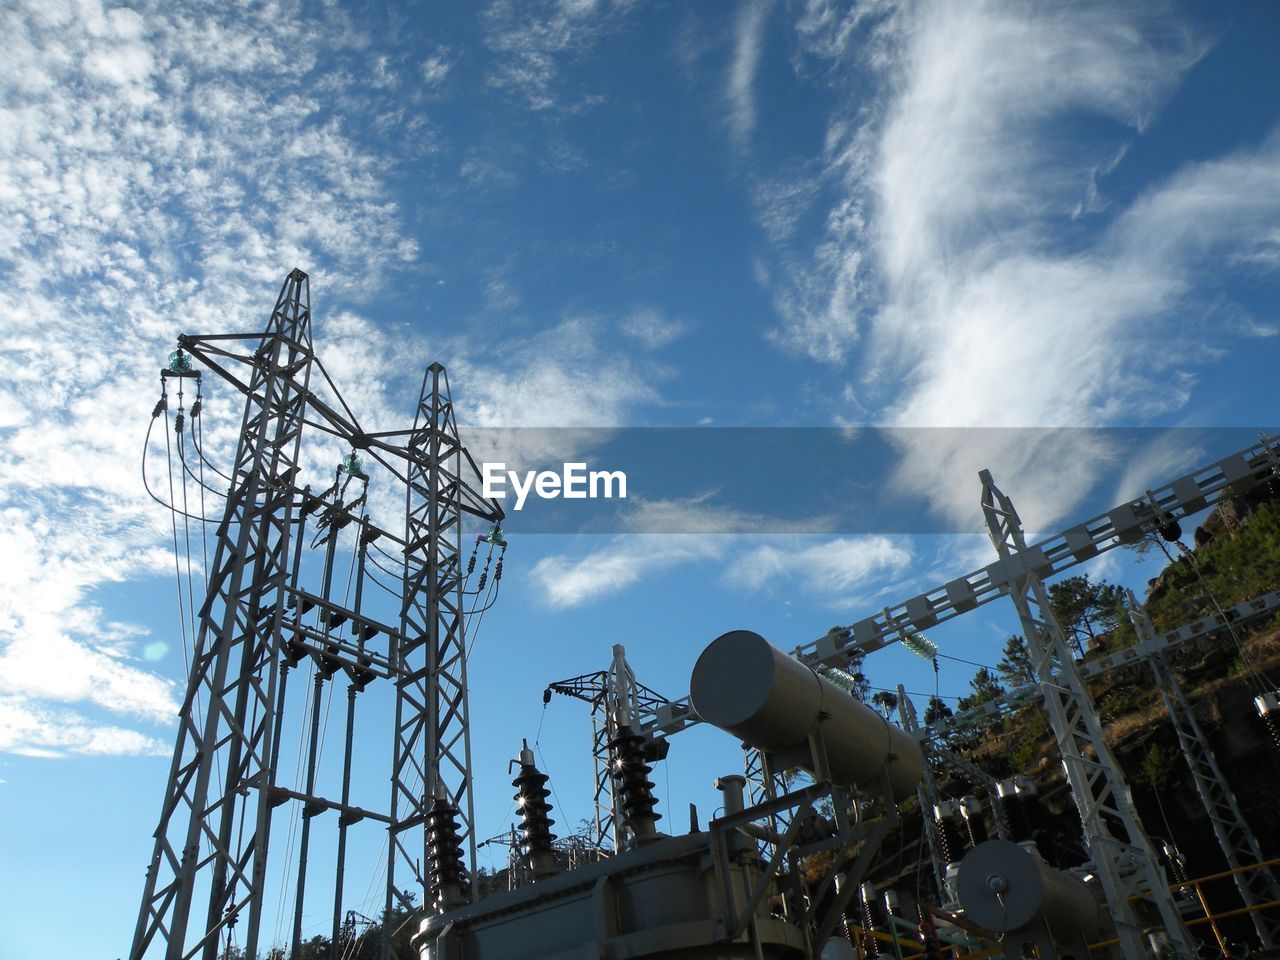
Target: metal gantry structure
(1124, 524)
(1116, 841)
(1238, 844)
(616, 699)
(206, 881)
(1121, 851)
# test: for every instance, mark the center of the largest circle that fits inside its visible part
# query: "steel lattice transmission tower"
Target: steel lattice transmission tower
(1114, 837)
(1238, 844)
(432, 758)
(208, 869)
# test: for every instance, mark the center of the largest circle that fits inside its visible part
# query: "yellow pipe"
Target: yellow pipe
(1240, 911)
(1208, 915)
(1230, 873)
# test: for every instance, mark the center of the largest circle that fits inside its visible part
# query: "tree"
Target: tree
(985, 687)
(885, 702)
(937, 710)
(1086, 609)
(1015, 664)
(861, 682)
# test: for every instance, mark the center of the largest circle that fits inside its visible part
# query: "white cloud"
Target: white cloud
(942, 259)
(159, 171)
(833, 571)
(30, 730)
(653, 328)
(833, 568)
(748, 40)
(533, 41)
(565, 376)
(571, 581)
(435, 69)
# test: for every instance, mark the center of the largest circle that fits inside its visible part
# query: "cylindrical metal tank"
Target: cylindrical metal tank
(748, 687)
(1003, 887)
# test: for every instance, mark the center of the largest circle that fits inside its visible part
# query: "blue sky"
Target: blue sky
(598, 214)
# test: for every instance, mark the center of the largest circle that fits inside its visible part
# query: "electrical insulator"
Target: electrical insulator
(195, 409)
(497, 571)
(535, 821)
(1174, 862)
(971, 810)
(1012, 811)
(484, 578)
(471, 564)
(1269, 709)
(950, 839)
(450, 885)
(178, 421)
(870, 946)
(631, 777)
(159, 407)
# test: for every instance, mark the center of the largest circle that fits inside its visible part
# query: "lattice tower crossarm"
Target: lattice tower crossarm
(1115, 839)
(1238, 844)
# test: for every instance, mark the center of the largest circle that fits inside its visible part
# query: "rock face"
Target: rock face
(1250, 762)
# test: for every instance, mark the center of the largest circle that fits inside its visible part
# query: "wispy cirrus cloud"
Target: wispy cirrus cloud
(748, 41)
(832, 568)
(533, 42)
(570, 580)
(947, 274)
(835, 572)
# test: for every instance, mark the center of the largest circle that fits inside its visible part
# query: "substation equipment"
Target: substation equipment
(273, 609)
(779, 873)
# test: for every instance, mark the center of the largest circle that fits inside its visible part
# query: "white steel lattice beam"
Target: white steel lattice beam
(1132, 880)
(1124, 524)
(1238, 844)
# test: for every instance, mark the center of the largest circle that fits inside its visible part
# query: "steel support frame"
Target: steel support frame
(432, 750)
(765, 784)
(224, 758)
(1238, 844)
(1124, 524)
(1118, 846)
(926, 794)
(612, 694)
(252, 630)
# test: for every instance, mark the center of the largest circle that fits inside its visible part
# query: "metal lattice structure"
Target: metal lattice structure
(432, 754)
(1238, 844)
(613, 694)
(236, 666)
(260, 620)
(1125, 523)
(1123, 858)
(926, 793)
